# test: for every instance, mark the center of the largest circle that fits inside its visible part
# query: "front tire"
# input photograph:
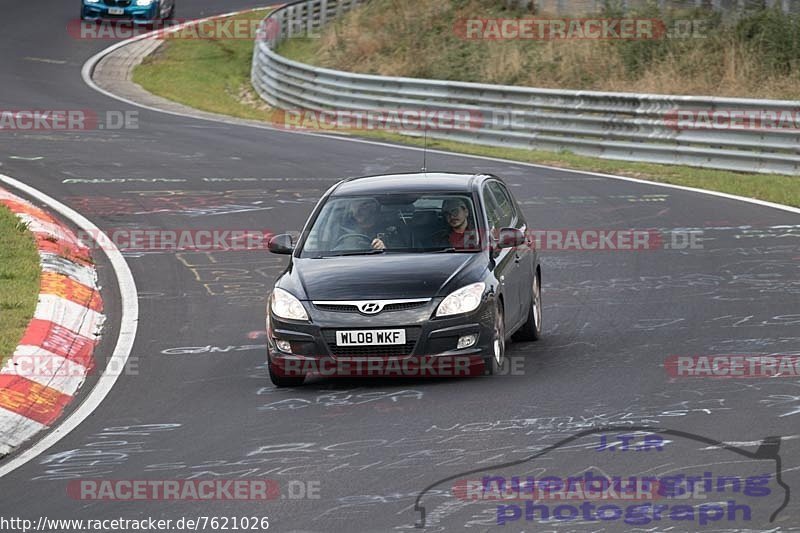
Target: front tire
(531, 330)
(283, 382)
(494, 362)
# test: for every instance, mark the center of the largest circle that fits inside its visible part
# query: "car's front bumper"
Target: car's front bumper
(430, 351)
(100, 12)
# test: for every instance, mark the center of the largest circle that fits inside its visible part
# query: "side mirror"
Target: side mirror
(510, 238)
(281, 244)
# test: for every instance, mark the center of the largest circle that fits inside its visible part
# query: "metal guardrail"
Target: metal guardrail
(728, 7)
(626, 126)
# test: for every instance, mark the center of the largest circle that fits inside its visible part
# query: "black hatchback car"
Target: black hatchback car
(402, 268)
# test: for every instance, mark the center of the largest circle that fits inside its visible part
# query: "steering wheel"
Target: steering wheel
(367, 239)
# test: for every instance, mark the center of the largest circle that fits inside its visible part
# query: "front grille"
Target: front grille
(404, 306)
(350, 308)
(118, 3)
(337, 308)
(373, 351)
(398, 350)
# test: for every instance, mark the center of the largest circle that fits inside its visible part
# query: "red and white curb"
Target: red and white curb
(56, 353)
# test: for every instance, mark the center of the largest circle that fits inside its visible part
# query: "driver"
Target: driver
(364, 219)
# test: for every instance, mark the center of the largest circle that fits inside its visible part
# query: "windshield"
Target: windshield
(394, 223)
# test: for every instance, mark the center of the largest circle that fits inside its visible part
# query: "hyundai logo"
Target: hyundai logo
(370, 308)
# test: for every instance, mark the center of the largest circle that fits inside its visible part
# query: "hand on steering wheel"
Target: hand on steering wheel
(376, 244)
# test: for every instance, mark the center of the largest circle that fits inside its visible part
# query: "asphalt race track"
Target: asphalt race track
(199, 404)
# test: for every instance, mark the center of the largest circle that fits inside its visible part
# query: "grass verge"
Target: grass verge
(19, 280)
(214, 75)
(699, 52)
(209, 74)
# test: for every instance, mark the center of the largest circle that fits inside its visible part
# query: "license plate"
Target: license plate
(371, 337)
(116, 11)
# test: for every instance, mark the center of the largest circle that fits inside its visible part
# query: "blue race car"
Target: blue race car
(137, 11)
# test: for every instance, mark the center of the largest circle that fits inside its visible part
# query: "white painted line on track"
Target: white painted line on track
(127, 332)
(88, 68)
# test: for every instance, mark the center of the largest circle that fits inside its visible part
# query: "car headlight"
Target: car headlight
(285, 305)
(91, 1)
(463, 300)
(143, 3)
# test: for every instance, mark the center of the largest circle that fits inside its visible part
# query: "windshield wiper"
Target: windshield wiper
(454, 250)
(362, 252)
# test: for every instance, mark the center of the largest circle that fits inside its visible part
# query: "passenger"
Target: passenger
(460, 233)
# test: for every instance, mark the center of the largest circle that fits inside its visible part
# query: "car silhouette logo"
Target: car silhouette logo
(370, 308)
(768, 449)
